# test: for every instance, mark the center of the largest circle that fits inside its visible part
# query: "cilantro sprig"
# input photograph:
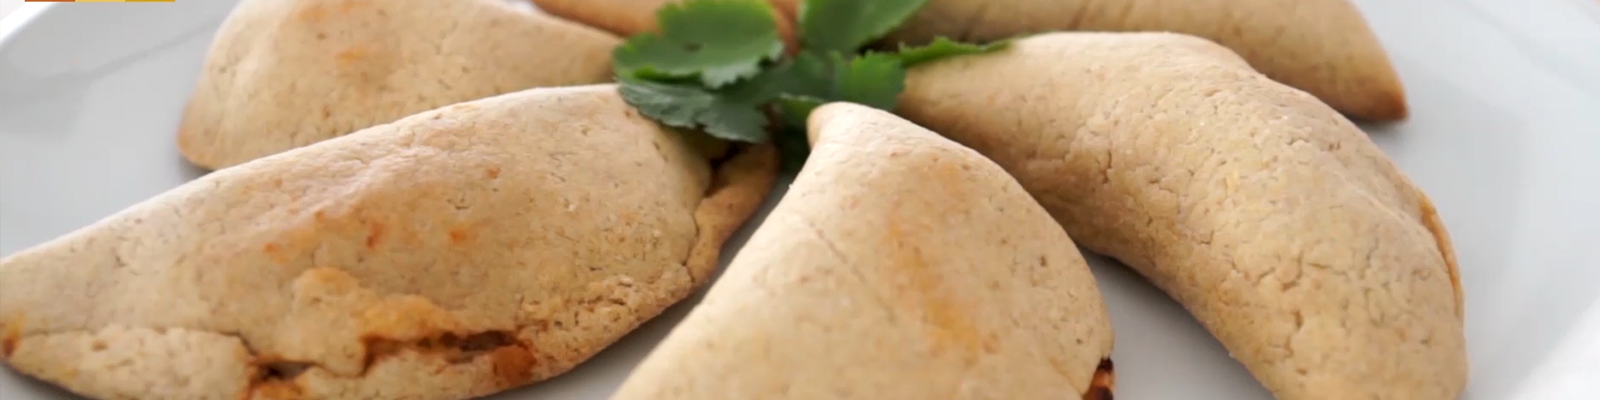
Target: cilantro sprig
(717, 66)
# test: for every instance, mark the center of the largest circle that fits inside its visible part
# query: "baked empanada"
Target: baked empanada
(1321, 46)
(899, 265)
(628, 17)
(287, 73)
(1268, 215)
(448, 255)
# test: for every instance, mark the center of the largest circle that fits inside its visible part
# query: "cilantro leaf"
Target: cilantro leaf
(943, 47)
(732, 114)
(793, 148)
(845, 25)
(874, 80)
(717, 41)
(796, 108)
(715, 66)
(808, 74)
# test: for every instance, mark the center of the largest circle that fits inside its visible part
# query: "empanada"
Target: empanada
(1269, 216)
(287, 73)
(448, 255)
(1321, 46)
(628, 17)
(899, 265)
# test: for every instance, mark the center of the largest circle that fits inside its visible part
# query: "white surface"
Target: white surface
(1505, 136)
(9, 6)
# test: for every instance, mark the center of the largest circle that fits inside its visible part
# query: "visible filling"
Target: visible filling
(280, 371)
(277, 375)
(454, 348)
(1103, 383)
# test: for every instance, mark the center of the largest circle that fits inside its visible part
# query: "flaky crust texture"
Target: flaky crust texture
(1273, 219)
(899, 265)
(449, 255)
(282, 74)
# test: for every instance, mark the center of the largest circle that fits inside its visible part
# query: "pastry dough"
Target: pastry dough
(898, 266)
(445, 256)
(1321, 46)
(287, 73)
(1269, 216)
(628, 17)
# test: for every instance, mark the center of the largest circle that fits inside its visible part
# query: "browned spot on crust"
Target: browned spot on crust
(274, 391)
(276, 379)
(513, 365)
(374, 234)
(1384, 103)
(460, 236)
(953, 327)
(13, 335)
(377, 349)
(492, 172)
(1104, 382)
(271, 248)
(452, 347)
(350, 56)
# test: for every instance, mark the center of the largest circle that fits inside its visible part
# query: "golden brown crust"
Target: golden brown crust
(896, 256)
(621, 17)
(11, 333)
(1272, 218)
(449, 255)
(740, 186)
(282, 74)
(629, 17)
(1321, 46)
(1435, 225)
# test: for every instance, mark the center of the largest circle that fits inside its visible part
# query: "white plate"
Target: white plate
(1504, 135)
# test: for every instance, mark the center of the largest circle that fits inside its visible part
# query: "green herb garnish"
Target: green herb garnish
(943, 47)
(716, 66)
(845, 25)
(716, 41)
